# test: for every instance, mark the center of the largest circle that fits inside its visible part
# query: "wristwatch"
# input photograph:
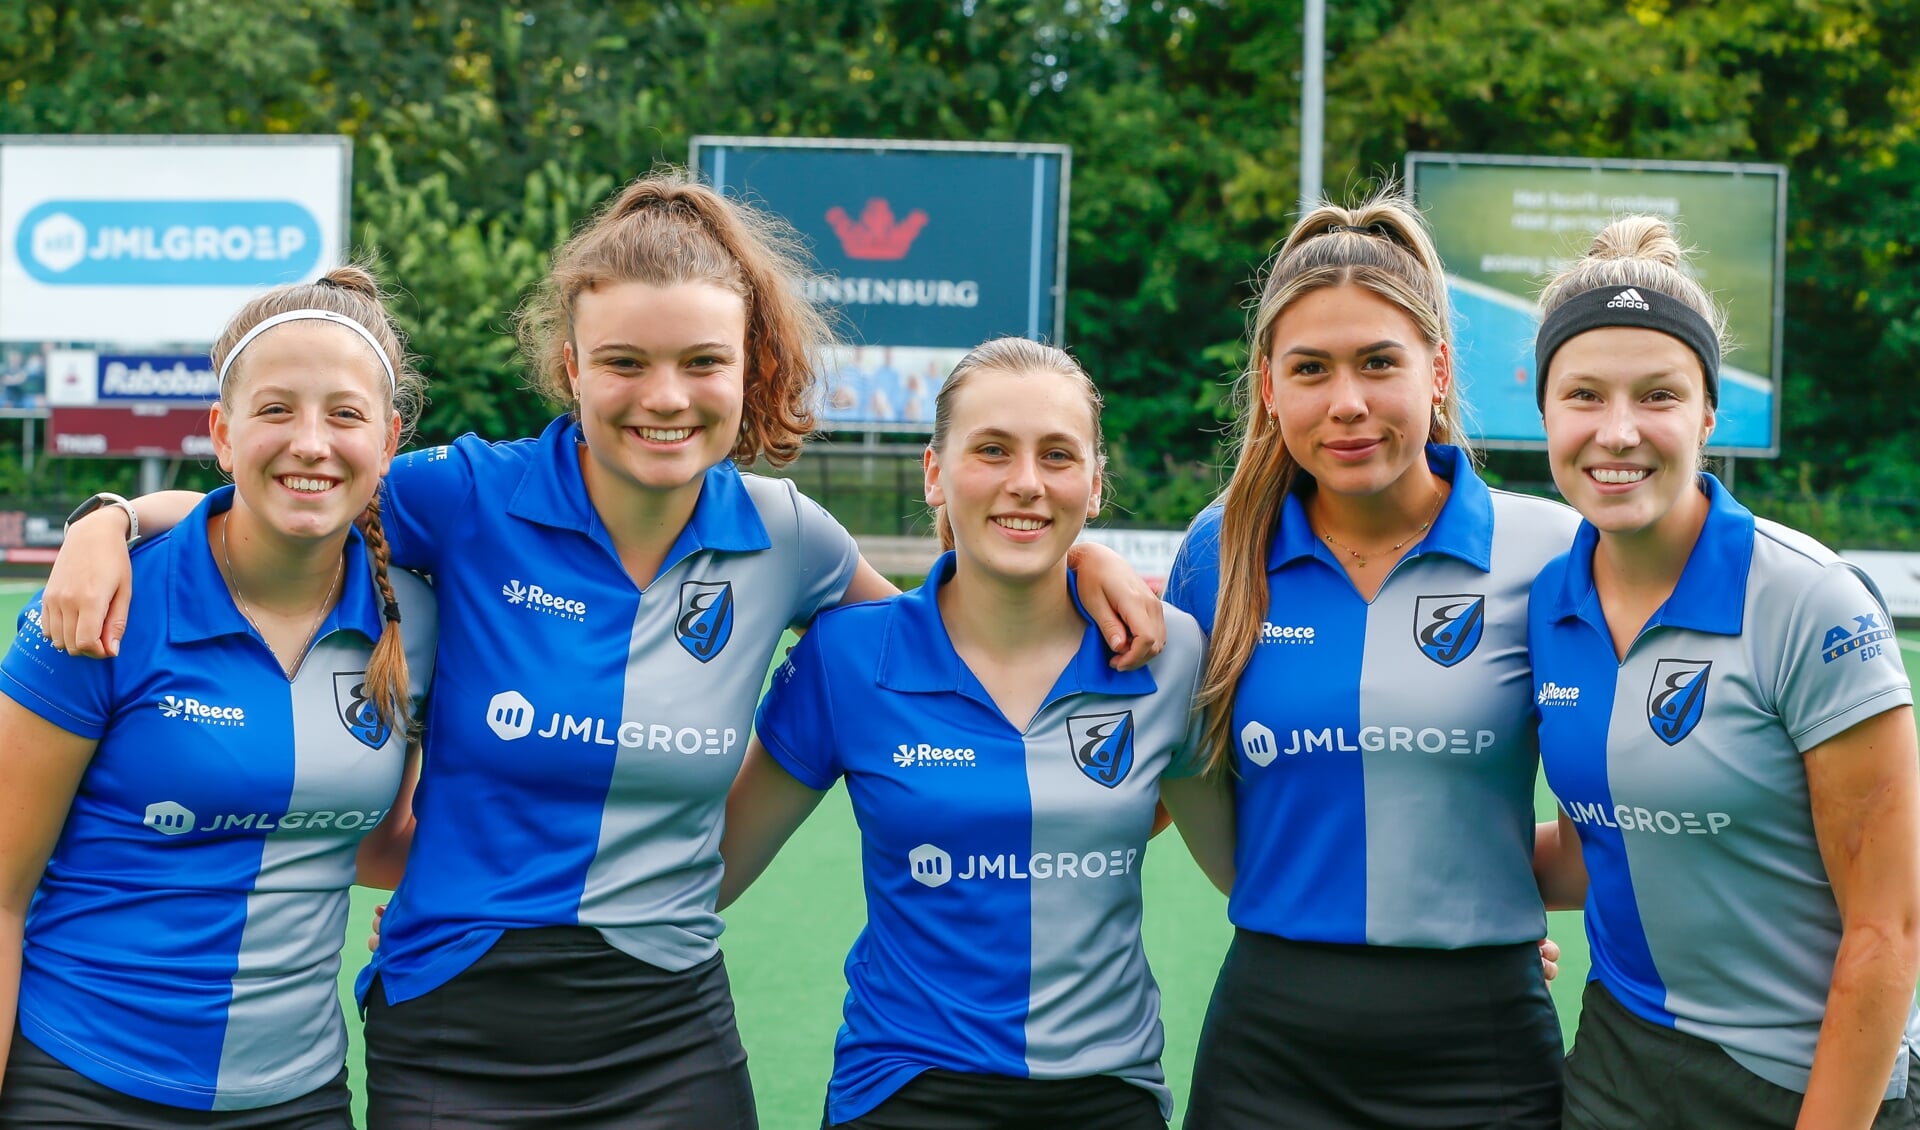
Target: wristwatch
(105, 498)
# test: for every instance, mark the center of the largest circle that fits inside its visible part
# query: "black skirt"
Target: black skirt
(1628, 1072)
(41, 1093)
(553, 1027)
(951, 1100)
(1311, 1036)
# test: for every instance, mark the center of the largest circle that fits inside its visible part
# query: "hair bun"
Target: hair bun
(1650, 238)
(351, 277)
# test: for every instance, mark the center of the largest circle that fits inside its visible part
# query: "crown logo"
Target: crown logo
(876, 235)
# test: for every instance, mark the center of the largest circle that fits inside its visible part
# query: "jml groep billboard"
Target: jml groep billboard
(923, 249)
(158, 240)
(1505, 225)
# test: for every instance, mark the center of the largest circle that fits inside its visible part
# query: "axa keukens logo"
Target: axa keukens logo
(168, 242)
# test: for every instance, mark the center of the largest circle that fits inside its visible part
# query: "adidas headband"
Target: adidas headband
(366, 335)
(1638, 307)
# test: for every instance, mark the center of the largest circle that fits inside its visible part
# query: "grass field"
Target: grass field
(787, 937)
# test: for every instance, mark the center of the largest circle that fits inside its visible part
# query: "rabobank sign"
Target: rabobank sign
(168, 242)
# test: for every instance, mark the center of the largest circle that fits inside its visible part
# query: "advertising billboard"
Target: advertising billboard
(145, 241)
(923, 250)
(1505, 225)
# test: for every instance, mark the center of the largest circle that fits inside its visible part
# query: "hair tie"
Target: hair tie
(392, 612)
(1373, 229)
(1638, 307)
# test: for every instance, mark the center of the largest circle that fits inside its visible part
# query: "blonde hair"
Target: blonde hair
(666, 228)
(1636, 251)
(1383, 246)
(1011, 355)
(352, 292)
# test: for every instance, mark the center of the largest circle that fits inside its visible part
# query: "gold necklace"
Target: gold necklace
(1360, 559)
(233, 582)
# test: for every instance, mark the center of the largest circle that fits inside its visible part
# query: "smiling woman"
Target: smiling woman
(173, 888)
(1025, 798)
(1723, 719)
(1365, 595)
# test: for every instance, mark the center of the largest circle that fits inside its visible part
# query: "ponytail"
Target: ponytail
(387, 668)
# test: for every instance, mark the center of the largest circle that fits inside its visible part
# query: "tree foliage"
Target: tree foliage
(484, 131)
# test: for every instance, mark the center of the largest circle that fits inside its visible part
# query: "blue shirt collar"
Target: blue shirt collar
(553, 492)
(1711, 595)
(200, 607)
(917, 655)
(1462, 529)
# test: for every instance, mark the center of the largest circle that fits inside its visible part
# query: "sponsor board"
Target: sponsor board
(158, 239)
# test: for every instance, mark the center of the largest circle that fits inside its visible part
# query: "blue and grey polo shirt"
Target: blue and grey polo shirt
(584, 732)
(1708, 906)
(184, 944)
(1002, 865)
(1386, 749)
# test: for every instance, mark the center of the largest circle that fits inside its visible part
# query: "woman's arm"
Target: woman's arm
(1864, 785)
(90, 588)
(765, 808)
(382, 857)
(40, 769)
(1202, 806)
(867, 584)
(1558, 866)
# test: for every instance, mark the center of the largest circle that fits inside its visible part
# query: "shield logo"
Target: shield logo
(356, 709)
(1448, 628)
(1103, 746)
(1677, 698)
(706, 618)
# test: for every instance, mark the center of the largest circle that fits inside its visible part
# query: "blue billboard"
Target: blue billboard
(924, 249)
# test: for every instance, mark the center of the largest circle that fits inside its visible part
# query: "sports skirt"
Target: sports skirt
(41, 1093)
(553, 1027)
(1313, 1036)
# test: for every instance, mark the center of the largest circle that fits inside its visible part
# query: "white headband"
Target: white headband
(309, 316)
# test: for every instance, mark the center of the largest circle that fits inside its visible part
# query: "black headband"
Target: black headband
(1638, 307)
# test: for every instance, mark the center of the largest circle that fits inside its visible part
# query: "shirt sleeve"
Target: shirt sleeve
(1191, 758)
(795, 721)
(73, 694)
(828, 558)
(1193, 583)
(1840, 663)
(424, 495)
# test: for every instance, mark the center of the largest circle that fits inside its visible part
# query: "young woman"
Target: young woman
(1004, 779)
(1727, 723)
(182, 822)
(1366, 597)
(615, 590)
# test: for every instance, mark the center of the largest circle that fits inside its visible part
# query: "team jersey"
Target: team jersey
(1386, 750)
(183, 946)
(584, 731)
(1708, 906)
(1002, 866)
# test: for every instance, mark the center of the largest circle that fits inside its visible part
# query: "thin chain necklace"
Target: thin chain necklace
(1360, 559)
(233, 582)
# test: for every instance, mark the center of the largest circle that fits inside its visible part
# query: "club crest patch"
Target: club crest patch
(1103, 746)
(1448, 628)
(356, 709)
(1677, 698)
(706, 618)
